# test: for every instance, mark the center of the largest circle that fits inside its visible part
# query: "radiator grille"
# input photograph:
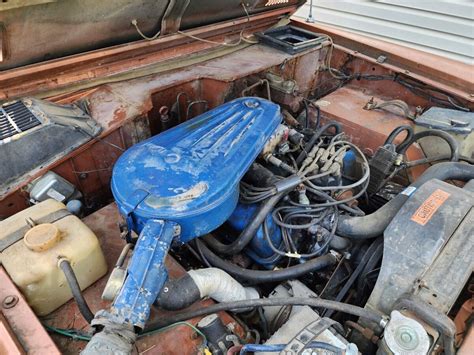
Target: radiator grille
(16, 118)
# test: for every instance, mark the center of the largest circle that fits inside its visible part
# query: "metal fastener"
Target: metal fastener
(251, 103)
(381, 59)
(10, 301)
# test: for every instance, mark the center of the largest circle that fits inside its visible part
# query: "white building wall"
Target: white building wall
(445, 28)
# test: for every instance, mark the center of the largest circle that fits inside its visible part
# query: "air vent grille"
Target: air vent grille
(276, 2)
(16, 118)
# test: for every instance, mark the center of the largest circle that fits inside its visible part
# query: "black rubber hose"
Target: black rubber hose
(263, 276)
(265, 302)
(76, 290)
(373, 225)
(248, 233)
(178, 294)
(314, 138)
(433, 317)
(453, 144)
(391, 137)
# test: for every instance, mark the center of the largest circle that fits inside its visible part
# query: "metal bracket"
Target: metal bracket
(171, 21)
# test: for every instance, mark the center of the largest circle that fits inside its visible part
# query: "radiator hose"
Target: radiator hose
(197, 284)
(373, 225)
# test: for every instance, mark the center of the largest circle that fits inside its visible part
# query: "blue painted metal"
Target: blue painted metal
(189, 174)
(258, 249)
(186, 178)
(146, 273)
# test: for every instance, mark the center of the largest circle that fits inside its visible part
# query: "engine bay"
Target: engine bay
(306, 203)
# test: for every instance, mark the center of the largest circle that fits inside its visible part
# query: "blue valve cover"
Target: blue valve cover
(189, 174)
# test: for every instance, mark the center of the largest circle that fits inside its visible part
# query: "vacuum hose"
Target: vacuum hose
(373, 225)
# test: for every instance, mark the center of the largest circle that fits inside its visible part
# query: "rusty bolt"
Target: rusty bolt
(10, 301)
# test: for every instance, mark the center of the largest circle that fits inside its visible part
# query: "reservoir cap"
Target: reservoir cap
(41, 237)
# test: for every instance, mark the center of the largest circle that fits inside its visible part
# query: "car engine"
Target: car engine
(275, 217)
(266, 199)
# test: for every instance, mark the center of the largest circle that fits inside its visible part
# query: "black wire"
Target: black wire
(264, 322)
(201, 254)
(318, 112)
(418, 88)
(306, 108)
(303, 255)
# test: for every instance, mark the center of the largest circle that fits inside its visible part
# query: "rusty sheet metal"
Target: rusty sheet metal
(78, 26)
(443, 73)
(104, 223)
(366, 129)
(111, 64)
(127, 111)
(20, 331)
(9, 343)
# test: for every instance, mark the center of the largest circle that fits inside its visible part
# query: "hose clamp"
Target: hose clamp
(384, 321)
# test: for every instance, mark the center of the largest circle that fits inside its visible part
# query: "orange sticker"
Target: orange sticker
(428, 208)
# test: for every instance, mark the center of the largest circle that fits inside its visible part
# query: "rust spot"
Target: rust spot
(118, 116)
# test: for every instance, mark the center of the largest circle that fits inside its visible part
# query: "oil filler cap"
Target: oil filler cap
(41, 237)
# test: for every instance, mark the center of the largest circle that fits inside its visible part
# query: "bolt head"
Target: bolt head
(9, 301)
